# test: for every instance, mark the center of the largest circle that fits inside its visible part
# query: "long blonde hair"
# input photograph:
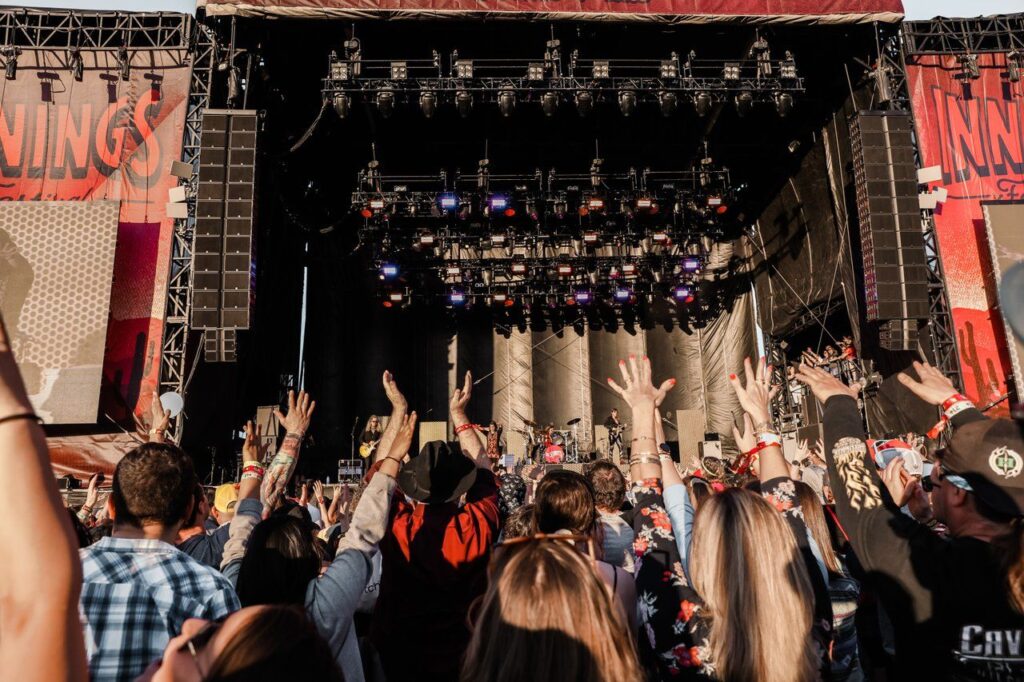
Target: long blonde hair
(814, 517)
(547, 615)
(758, 597)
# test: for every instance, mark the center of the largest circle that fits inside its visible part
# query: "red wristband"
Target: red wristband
(464, 427)
(952, 400)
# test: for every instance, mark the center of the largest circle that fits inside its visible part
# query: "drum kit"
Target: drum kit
(550, 445)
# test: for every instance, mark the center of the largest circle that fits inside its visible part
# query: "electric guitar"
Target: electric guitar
(366, 450)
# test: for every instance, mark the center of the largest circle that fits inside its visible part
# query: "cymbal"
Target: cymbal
(574, 422)
(530, 423)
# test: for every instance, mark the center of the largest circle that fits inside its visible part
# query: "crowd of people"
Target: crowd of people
(445, 565)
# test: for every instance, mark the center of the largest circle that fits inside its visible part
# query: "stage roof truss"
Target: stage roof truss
(940, 36)
(62, 30)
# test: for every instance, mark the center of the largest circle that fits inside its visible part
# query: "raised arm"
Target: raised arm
(399, 408)
(40, 571)
(281, 468)
(248, 509)
(469, 441)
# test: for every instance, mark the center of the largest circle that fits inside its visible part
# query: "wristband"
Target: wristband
(952, 400)
(32, 416)
(319, 500)
(767, 439)
(953, 409)
(251, 463)
(396, 460)
(250, 475)
(465, 427)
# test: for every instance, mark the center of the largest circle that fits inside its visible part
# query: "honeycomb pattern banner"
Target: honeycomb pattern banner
(56, 271)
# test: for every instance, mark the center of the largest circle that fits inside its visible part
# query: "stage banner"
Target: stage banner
(104, 138)
(667, 11)
(974, 129)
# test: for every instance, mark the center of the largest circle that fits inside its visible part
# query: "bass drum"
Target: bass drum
(554, 454)
(557, 438)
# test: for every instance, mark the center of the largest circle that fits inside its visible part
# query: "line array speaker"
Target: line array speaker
(222, 253)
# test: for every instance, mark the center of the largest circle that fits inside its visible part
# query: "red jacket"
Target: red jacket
(434, 565)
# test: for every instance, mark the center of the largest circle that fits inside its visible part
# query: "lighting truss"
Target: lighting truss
(549, 80)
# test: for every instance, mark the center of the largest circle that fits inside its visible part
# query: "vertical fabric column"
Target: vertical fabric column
(513, 385)
(561, 381)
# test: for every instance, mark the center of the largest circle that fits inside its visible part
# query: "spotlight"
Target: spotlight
(497, 240)
(10, 55)
(457, 297)
(629, 270)
(669, 102)
(622, 295)
(969, 66)
(669, 68)
(497, 203)
(399, 71)
(660, 238)
(428, 103)
(564, 270)
(627, 102)
(123, 63)
(453, 271)
(426, 239)
(388, 271)
(518, 268)
(644, 203)
(584, 102)
(386, 103)
(600, 69)
(341, 104)
(395, 297)
(731, 72)
(366, 213)
(784, 104)
(510, 212)
(506, 102)
(691, 264)
(464, 68)
(499, 298)
(464, 102)
(339, 69)
(595, 204)
(590, 238)
(549, 103)
(744, 102)
(448, 202)
(702, 103)
(1014, 62)
(535, 71)
(377, 204)
(683, 293)
(76, 63)
(583, 297)
(787, 68)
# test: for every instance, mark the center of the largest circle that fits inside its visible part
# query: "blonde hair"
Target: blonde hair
(814, 517)
(547, 615)
(758, 598)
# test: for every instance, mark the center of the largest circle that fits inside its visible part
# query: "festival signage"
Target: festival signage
(974, 130)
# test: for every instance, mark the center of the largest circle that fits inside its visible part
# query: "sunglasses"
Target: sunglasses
(195, 644)
(554, 537)
(928, 484)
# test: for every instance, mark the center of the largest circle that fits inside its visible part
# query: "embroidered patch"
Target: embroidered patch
(1006, 462)
(862, 492)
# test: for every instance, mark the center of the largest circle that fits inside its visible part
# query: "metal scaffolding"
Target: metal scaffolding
(939, 36)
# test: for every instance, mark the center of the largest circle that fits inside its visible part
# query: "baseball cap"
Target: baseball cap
(225, 498)
(989, 455)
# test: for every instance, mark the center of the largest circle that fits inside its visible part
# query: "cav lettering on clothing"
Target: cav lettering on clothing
(991, 654)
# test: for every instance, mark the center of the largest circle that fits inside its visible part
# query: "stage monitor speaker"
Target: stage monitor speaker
(430, 431)
(690, 424)
(222, 252)
(892, 243)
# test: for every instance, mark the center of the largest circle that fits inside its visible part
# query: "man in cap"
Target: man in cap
(443, 522)
(956, 602)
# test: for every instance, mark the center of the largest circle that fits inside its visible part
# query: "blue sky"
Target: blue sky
(916, 9)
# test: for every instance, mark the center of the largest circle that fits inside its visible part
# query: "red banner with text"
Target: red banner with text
(105, 138)
(974, 129)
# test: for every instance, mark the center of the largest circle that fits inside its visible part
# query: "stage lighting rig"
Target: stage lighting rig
(969, 69)
(10, 54)
(77, 64)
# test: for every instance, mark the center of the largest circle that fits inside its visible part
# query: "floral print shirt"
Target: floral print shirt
(673, 631)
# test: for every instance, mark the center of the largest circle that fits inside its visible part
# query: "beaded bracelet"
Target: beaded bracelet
(465, 427)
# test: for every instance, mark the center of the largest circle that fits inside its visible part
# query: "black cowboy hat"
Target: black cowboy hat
(439, 473)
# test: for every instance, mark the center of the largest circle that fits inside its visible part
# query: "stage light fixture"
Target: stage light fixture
(464, 102)
(341, 103)
(535, 71)
(395, 297)
(629, 270)
(518, 268)
(660, 238)
(744, 103)
(787, 68)
(549, 103)
(600, 69)
(590, 238)
(702, 103)
(448, 202)
(669, 102)
(644, 203)
(506, 102)
(622, 295)
(339, 69)
(969, 66)
(399, 71)
(366, 213)
(669, 68)
(76, 63)
(10, 54)
(1014, 66)
(457, 297)
(584, 102)
(453, 271)
(499, 298)
(584, 297)
(595, 204)
(731, 72)
(509, 212)
(497, 240)
(784, 104)
(123, 63)
(428, 103)
(627, 102)
(564, 270)
(377, 204)
(388, 271)
(683, 294)
(464, 68)
(691, 264)
(497, 202)
(386, 103)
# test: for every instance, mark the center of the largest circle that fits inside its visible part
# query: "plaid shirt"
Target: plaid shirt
(136, 594)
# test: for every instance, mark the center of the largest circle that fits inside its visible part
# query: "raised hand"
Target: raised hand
(318, 491)
(756, 396)
(398, 401)
(159, 419)
(392, 461)
(253, 449)
(906, 490)
(460, 398)
(803, 450)
(747, 439)
(932, 387)
(639, 388)
(93, 492)
(300, 412)
(823, 384)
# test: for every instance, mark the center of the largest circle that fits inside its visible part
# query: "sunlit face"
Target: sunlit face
(374, 422)
(180, 665)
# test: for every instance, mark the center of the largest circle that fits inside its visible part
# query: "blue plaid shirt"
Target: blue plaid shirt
(136, 594)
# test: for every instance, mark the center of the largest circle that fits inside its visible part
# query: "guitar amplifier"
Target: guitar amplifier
(350, 470)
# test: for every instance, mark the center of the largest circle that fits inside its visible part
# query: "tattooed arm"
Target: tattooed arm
(281, 468)
(399, 408)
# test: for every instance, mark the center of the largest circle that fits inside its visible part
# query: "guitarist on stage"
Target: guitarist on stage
(615, 429)
(370, 438)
